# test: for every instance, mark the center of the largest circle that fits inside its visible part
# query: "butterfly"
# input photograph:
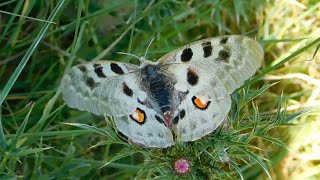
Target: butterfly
(183, 96)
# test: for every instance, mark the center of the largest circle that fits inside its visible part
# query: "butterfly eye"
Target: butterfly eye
(200, 103)
(139, 116)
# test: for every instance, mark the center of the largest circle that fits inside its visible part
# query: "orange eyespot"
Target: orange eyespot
(199, 103)
(138, 115)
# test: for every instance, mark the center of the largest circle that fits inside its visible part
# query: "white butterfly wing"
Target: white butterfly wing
(193, 121)
(198, 123)
(114, 89)
(151, 133)
(233, 59)
(102, 88)
(209, 70)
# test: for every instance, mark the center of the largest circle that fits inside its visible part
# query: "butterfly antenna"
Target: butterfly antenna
(145, 54)
(128, 54)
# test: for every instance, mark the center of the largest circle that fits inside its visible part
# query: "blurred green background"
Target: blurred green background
(34, 142)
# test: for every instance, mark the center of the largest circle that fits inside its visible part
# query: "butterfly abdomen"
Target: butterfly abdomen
(158, 87)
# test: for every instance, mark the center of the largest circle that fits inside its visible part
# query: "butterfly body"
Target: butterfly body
(159, 85)
(183, 96)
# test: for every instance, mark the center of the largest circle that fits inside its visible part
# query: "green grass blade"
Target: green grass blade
(27, 17)
(92, 128)
(3, 142)
(72, 25)
(10, 22)
(28, 54)
(13, 144)
(26, 152)
(119, 156)
(291, 56)
(6, 3)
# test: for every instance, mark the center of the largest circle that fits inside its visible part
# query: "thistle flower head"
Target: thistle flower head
(182, 166)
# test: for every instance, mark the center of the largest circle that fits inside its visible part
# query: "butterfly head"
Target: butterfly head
(168, 119)
(144, 62)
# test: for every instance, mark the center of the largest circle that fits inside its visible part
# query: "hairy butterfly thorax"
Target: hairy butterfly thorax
(160, 85)
(183, 96)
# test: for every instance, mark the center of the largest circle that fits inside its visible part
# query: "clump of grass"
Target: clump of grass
(34, 142)
(298, 26)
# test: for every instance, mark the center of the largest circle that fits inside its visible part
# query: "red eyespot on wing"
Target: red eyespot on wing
(199, 103)
(138, 116)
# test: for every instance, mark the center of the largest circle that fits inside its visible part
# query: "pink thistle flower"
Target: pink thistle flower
(181, 166)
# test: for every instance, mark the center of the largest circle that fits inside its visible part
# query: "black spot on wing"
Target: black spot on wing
(223, 56)
(224, 40)
(126, 90)
(207, 49)
(180, 116)
(98, 70)
(82, 68)
(90, 83)
(141, 102)
(116, 68)
(175, 120)
(159, 119)
(95, 65)
(192, 77)
(182, 113)
(186, 55)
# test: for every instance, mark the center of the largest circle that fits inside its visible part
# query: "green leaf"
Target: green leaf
(275, 141)
(235, 166)
(25, 152)
(254, 157)
(15, 140)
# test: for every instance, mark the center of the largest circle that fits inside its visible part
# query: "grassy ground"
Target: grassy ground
(39, 40)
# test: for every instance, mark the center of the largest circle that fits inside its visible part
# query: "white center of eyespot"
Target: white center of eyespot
(203, 101)
(135, 115)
